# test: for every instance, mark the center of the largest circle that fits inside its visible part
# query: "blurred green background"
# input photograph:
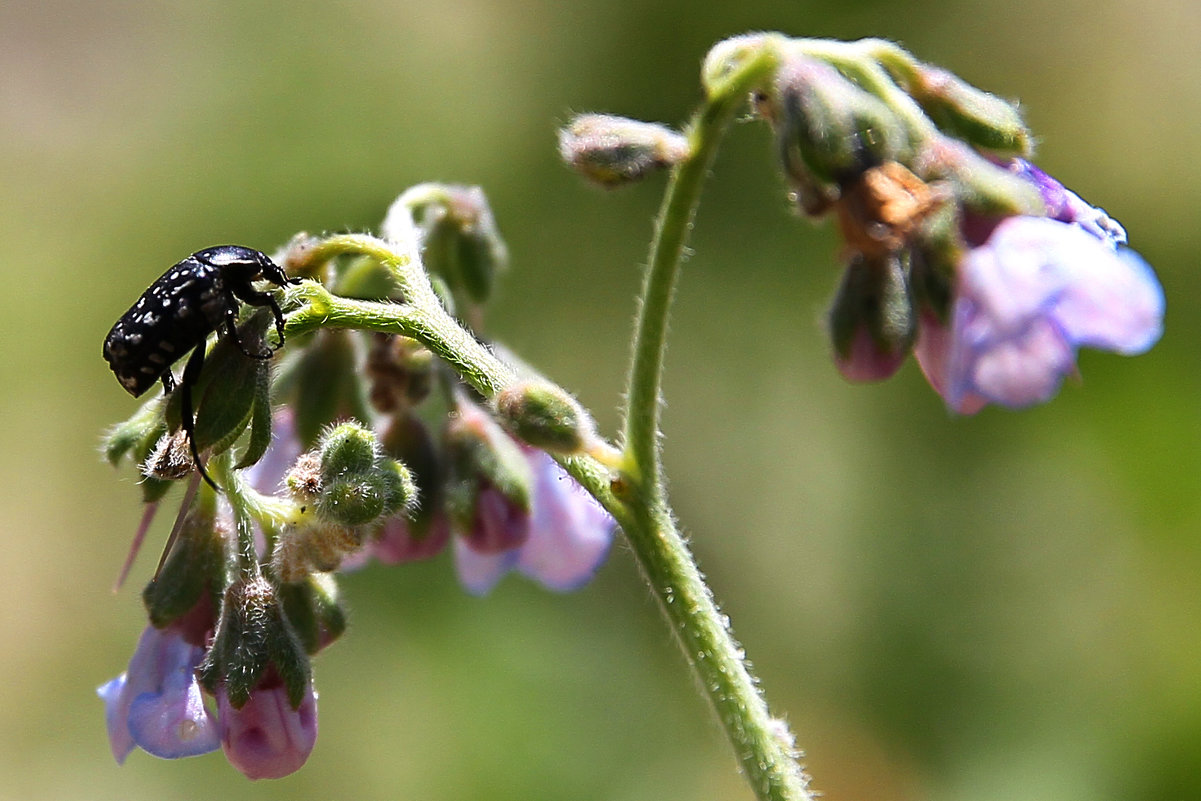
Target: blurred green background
(998, 607)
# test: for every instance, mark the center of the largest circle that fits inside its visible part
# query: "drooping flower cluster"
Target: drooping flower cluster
(362, 461)
(957, 247)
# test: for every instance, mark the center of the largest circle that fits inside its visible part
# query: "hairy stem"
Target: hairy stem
(634, 494)
(763, 744)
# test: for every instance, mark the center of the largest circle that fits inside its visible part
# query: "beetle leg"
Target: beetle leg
(248, 294)
(191, 372)
(231, 325)
(168, 382)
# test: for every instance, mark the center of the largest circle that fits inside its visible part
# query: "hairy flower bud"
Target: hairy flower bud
(343, 487)
(252, 636)
(324, 382)
(827, 126)
(543, 415)
(400, 371)
(977, 184)
(460, 241)
(871, 322)
(614, 151)
(489, 485)
(358, 484)
(968, 113)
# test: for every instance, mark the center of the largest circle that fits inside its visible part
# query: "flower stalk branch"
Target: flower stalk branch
(635, 495)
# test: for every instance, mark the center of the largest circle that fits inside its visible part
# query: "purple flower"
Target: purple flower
(156, 704)
(1028, 293)
(267, 738)
(569, 536)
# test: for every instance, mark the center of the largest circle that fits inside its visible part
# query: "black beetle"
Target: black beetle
(176, 314)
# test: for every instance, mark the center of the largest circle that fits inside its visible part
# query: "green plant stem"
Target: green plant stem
(763, 744)
(634, 494)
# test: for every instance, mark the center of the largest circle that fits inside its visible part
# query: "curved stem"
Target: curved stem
(634, 495)
(763, 744)
(644, 381)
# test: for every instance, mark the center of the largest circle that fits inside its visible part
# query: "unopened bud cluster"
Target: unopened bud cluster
(924, 173)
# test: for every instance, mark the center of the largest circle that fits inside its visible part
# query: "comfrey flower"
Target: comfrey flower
(513, 507)
(568, 536)
(957, 248)
(157, 704)
(1028, 295)
(267, 738)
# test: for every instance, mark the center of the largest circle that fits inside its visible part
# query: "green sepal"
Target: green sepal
(260, 422)
(934, 263)
(196, 565)
(290, 659)
(970, 114)
(253, 633)
(153, 489)
(313, 608)
(978, 184)
(874, 294)
(131, 434)
(479, 452)
(229, 385)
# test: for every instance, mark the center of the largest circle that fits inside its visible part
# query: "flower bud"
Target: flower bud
(324, 383)
(490, 485)
(827, 126)
(362, 498)
(358, 485)
(400, 371)
(614, 151)
(459, 238)
(543, 415)
(137, 437)
(968, 113)
(347, 448)
(872, 321)
(194, 569)
(408, 440)
(343, 487)
(271, 734)
(252, 636)
(977, 184)
(314, 610)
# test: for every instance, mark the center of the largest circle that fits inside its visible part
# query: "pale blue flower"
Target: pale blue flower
(157, 704)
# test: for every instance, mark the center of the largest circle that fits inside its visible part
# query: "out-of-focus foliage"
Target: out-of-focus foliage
(994, 607)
